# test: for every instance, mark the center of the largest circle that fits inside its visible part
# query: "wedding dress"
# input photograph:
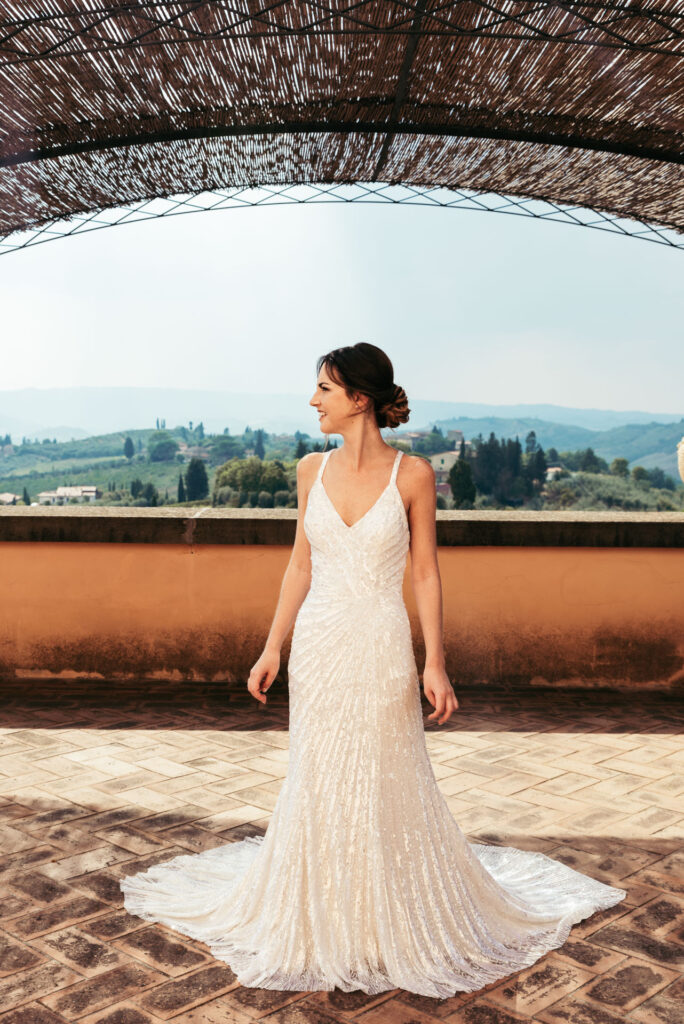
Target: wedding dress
(363, 879)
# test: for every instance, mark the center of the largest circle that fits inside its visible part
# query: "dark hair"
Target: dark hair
(366, 369)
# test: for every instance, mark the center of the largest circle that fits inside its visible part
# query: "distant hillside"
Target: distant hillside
(549, 434)
(589, 419)
(647, 445)
(647, 439)
(79, 412)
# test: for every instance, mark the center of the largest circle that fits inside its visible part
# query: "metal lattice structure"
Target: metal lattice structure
(359, 193)
(576, 107)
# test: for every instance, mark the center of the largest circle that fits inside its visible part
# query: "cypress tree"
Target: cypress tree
(196, 480)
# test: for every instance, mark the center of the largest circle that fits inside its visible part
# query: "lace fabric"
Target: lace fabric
(363, 879)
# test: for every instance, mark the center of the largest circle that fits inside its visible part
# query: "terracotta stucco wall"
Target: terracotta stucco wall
(580, 616)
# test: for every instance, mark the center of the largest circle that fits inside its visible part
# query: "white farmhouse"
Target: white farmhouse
(83, 492)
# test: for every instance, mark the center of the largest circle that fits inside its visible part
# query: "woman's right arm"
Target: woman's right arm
(293, 590)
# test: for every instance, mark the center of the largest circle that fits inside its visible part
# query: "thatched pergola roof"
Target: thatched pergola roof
(103, 104)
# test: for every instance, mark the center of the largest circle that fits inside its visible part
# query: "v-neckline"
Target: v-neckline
(347, 526)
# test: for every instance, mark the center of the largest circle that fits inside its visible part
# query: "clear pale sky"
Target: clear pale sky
(476, 307)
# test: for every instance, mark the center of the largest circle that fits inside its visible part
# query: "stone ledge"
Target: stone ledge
(208, 525)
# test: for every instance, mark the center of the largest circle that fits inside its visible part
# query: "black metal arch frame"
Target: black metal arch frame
(359, 192)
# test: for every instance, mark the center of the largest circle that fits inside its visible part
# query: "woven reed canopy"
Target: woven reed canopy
(103, 104)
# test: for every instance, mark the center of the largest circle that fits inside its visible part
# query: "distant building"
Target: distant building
(442, 462)
(192, 451)
(553, 471)
(84, 492)
(413, 436)
(7, 498)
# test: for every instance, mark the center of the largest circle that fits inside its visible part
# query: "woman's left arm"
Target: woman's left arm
(427, 588)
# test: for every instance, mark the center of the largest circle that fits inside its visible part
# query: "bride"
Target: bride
(363, 879)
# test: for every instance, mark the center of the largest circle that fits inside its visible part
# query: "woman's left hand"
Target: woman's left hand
(440, 693)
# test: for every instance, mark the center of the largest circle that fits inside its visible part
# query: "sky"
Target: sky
(470, 306)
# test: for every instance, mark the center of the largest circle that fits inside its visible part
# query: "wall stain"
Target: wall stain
(629, 658)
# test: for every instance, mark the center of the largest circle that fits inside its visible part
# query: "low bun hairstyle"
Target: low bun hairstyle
(366, 369)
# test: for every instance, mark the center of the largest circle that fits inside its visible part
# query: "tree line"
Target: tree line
(510, 475)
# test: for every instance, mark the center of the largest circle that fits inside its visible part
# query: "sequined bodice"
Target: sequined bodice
(367, 558)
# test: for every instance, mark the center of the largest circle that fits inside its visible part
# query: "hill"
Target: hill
(79, 412)
(644, 444)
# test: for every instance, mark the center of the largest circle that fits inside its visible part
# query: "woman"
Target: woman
(363, 879)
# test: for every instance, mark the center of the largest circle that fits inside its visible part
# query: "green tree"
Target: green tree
(589, 462)
(259, 449)
(161, 446)
(538, 466)
(241, 474)
(26, 498)
(136, 488)
(659, 478)
(433, 443)
(273, 477)
(181, 488)
(301, 449)
(150, 494)
(530, 443)
(619, 467)
(488, 463)
(196, 480)
(129, 450)
(224, 449)
(461, 482)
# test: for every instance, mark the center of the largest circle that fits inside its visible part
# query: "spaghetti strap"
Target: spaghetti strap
(395, 467)
(322, 464)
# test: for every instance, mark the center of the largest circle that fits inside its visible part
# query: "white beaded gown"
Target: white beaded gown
(363, 879)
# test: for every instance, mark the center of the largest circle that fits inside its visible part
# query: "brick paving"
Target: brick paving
(99, 780)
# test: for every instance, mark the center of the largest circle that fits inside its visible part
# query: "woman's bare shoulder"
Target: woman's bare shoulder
(311, 459)
(418, 470)
(418, 480)
(307, 467)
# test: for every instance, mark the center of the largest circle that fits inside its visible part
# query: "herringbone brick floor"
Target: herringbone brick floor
(97, 782)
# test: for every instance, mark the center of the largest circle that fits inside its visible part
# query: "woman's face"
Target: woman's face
(331, 403)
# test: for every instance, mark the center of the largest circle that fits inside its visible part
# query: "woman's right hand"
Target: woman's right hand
(263, 673)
